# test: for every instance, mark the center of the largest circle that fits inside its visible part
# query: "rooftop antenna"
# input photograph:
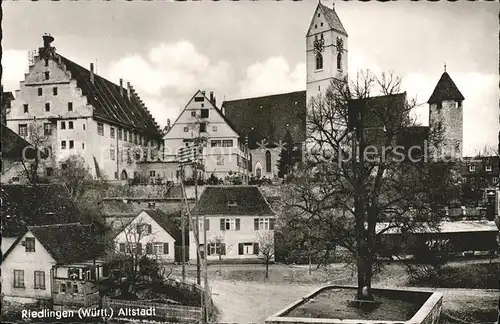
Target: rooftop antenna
(445, 66)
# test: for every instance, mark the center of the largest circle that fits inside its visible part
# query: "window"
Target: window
(23, 130)
(70, 125)
(216, 249)
(315, 26)
(130, 137)
(439, 105)
(143, 229)
(248, 248)
(49, 172)
(71, 144)
(207, 225)
(83, 126)
(47, 75)
(268, 161)
(75, 289)
(46, 62)
(39, 280)
(64, 166)
(124, 135)
(100, 129)
(120, 134)
(63, 145)
(30, 244)
(47, 107)
(83, 146)
(339, 61)
(472, 168)
(204, 113)
(112, 153)
(227, 143)
(214, 128)
(193, 113)
(220, 160)
(229, 224)
(40, 91)
(54, 91)
(18, 278)
(203, 127)
(199, 99)
(152, 173)
(160, 248)
(135, 138)
(216, 143)
(263, 224)
(63, 125)
(488, 168)
(186, 129)
(321, 26)
(25, 107)
(47, 129)
(62, 288)
(112, 132)
(319, 61)
(121, 247)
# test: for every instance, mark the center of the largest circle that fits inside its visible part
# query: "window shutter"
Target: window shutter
(149, 248)
(208, 249)
(223, 249)
(237, 224)
(149, 228)
(138, 229)
(256, 248)
(165, 248)
(240, 248)
(272, 221)
(139, 248)
(256, 224)
(207, 224)
(222, 224)
(122, 247)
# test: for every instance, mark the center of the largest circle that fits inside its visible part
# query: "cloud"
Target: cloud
(360, 61)
(274, 75)
(15, 65)
(169, 75)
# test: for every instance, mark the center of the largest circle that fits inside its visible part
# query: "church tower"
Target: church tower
(326, 51)
(446, 113)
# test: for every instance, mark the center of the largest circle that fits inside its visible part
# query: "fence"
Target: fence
(193, 288)
(162, 312)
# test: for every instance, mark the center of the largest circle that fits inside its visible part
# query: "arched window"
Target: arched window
(268, 162)
(319, 61)
(339, 61)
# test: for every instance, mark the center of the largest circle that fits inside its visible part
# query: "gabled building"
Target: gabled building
(6, 100)
(34, 205)
(152, 233)
(79, 112)
(224, 153)
(237, 218)
(56, 265)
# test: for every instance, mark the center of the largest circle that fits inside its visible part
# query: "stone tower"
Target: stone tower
(446, 113)
(326, 51)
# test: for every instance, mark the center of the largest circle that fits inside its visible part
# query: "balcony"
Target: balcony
(86, 294)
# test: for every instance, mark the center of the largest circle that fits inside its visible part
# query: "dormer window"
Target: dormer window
(472, 168)
(488, 168)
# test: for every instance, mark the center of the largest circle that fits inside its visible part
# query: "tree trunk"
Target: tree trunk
(267, 269)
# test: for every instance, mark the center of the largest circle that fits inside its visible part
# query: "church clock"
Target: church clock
(319, 45)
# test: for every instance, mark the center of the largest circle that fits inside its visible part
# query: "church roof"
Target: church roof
(333, 19)
(445, 90)
(269, 117)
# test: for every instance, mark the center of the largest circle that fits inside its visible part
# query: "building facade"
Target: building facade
(223, 151)
(238, 222)
(73, 111)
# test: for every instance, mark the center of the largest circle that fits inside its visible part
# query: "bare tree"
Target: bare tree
(265, 242)
(362, 177)
(220, 250)
(40, 148)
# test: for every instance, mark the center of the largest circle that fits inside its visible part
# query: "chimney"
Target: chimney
(214, 102)
(128, 90)
(47, 39)
(121, 87)
(92, 73)
(168, 123)
(212, 97)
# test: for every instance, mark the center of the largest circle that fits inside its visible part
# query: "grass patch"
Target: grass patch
(473, 276)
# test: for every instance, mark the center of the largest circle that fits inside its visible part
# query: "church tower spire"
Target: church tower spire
(326, 51)
(446, 115)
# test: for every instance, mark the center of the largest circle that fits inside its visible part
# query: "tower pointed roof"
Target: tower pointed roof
(332, 18)
(445, 90)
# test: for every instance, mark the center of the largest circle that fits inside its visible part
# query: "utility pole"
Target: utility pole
(198, 265)
(183, 226)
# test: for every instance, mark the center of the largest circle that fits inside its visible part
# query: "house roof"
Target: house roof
(269, 117)
(12, 145)
(109, 105)
(445, 90)
(333, 19)
(32, 205)
(68, 243)
(166, 222)
(233, 200)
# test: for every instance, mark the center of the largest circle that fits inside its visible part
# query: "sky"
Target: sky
(168, 50)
